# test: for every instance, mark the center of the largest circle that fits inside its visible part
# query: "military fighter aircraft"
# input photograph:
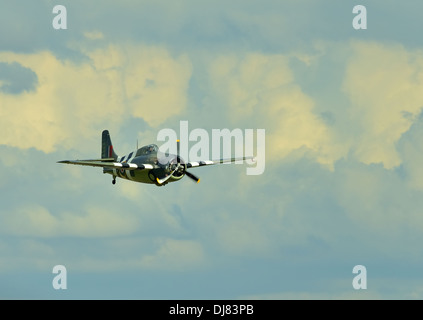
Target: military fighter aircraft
(146, 164)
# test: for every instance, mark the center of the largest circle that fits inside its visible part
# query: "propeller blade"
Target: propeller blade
(177, 153)
(193, 177)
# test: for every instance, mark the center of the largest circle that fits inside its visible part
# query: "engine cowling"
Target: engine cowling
(178, 166)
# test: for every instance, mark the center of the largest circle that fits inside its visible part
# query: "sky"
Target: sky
(343, 181)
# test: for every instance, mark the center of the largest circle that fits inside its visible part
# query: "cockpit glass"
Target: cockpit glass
(152, 148)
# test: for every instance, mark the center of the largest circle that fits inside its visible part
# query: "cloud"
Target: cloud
(347, 295)
(37, 221)
(243, 237)
(94, 35)
(410, 148)
(23, 252)
(260, 89)
(384, 84)
(76, 100)
(152, 79)
(157, 217)
(381, 82)
(175, 255)
(333, 288)
(116, 253)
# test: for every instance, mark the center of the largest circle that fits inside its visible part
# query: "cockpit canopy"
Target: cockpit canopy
(151, 148)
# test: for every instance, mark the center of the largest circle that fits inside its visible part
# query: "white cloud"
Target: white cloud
(384, 85)
(382, 82)
(76, 100)
(260, 88)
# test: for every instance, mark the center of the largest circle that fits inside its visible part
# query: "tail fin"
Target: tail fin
(107, 146)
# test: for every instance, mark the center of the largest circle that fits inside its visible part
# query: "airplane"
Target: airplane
(146, 164)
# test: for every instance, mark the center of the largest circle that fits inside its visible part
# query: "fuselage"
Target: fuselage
(146, 155)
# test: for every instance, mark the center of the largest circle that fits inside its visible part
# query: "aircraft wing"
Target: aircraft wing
(109, 163)
(194, 164)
